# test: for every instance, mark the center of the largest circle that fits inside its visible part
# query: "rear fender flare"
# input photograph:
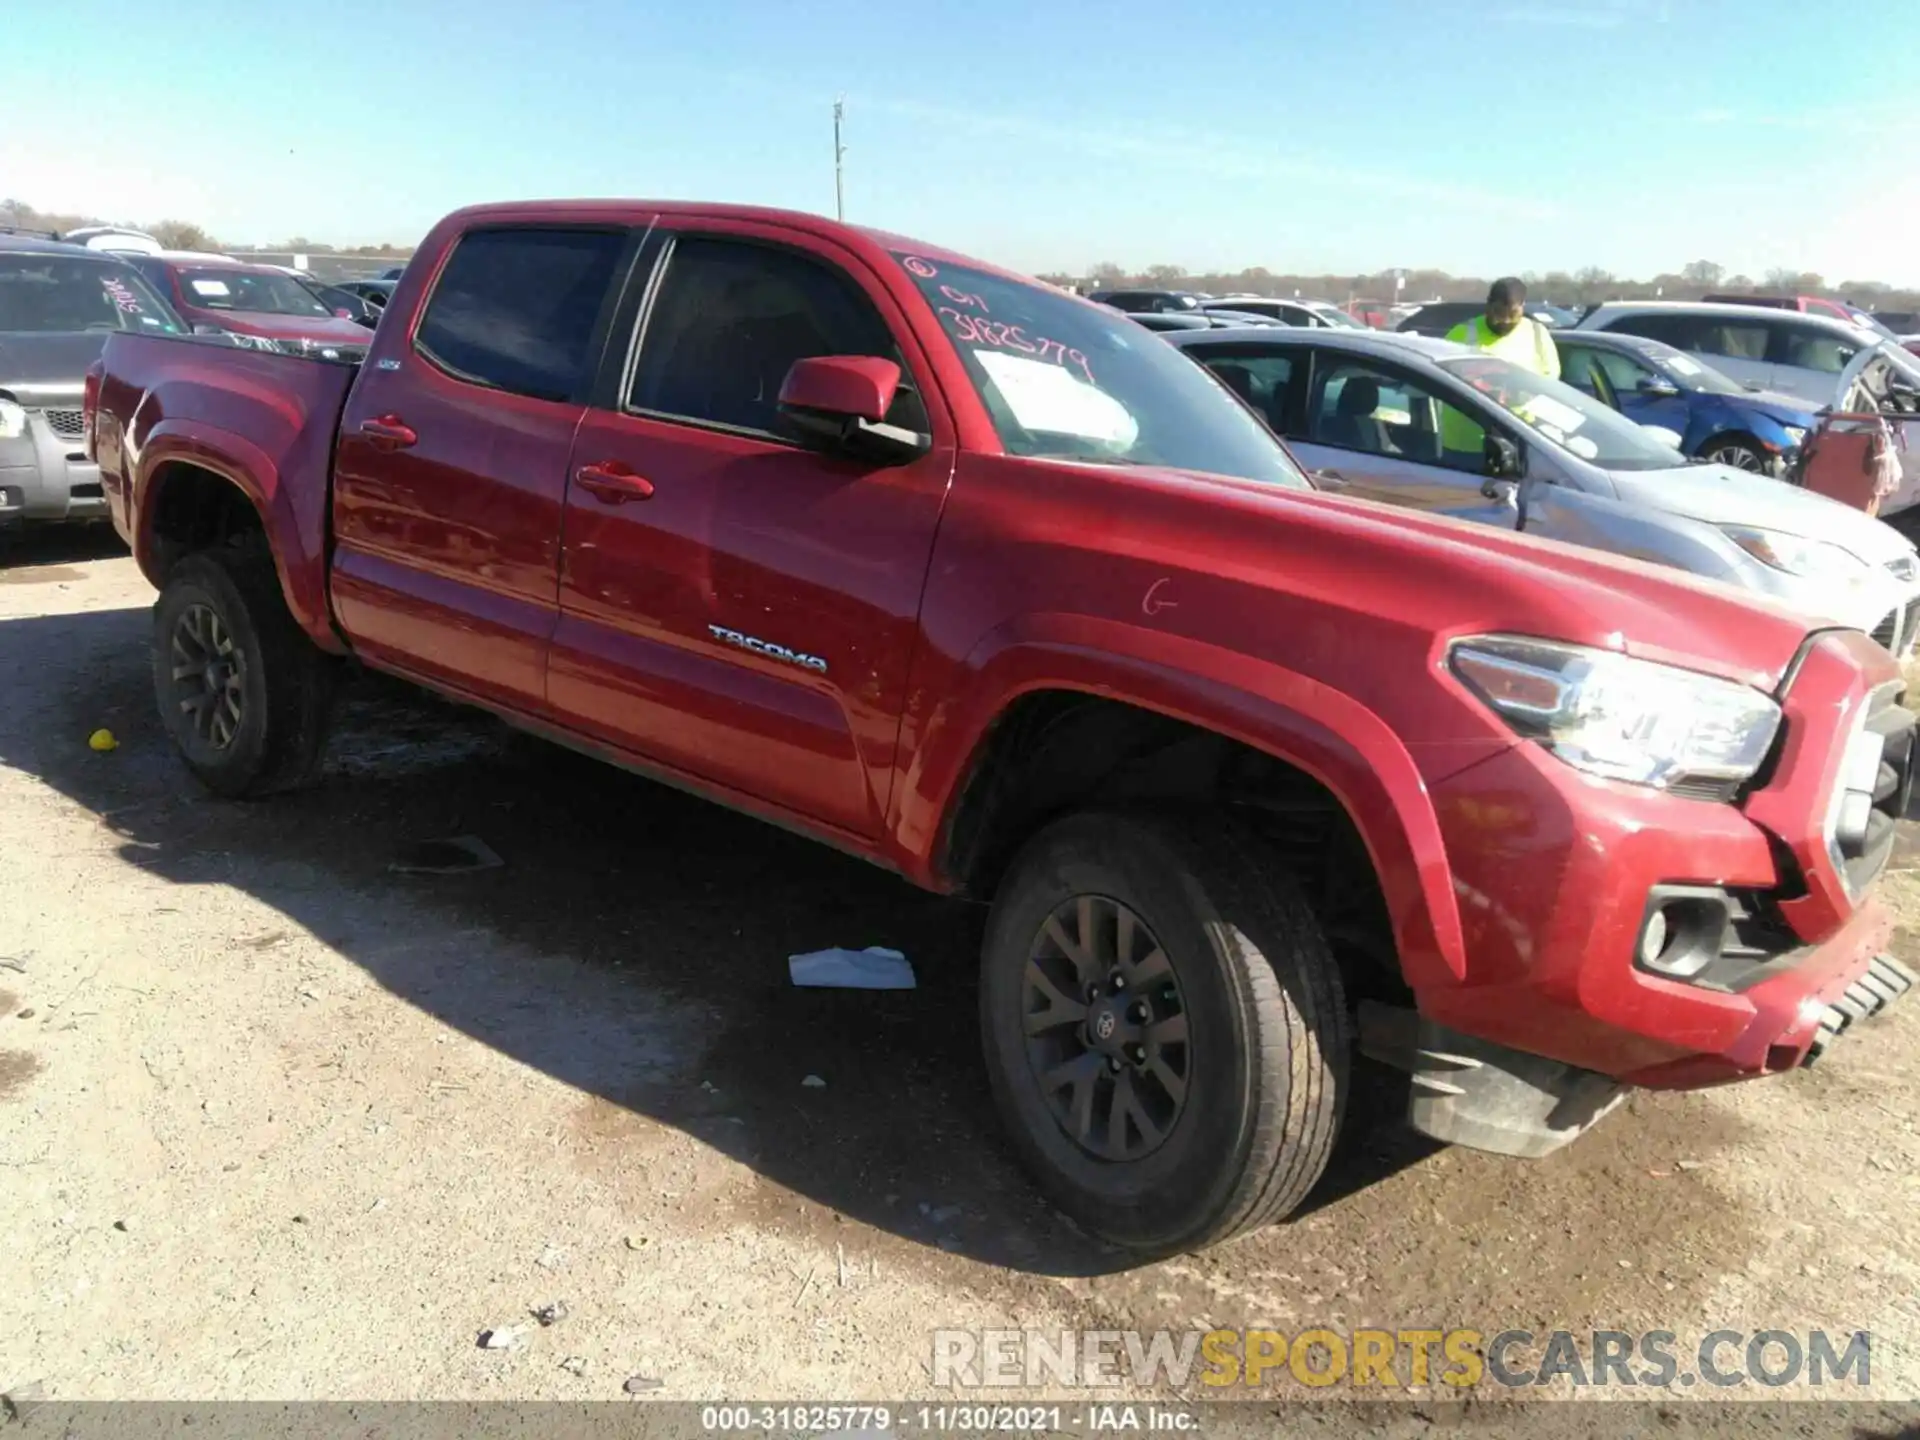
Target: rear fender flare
(1265, 706)
(299, 559)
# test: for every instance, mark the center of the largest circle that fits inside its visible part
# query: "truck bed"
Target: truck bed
(169, 402)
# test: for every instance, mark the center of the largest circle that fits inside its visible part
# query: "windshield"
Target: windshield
(1066, 380)
(1561, 414)
(1334, 315)
(254, 291)
(57, 294)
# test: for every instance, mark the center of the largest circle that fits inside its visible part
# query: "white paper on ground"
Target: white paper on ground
(871, 969)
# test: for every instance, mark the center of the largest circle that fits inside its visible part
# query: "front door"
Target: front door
(1375, 431)
(732, 605)
(1629, 380)
(452, 462)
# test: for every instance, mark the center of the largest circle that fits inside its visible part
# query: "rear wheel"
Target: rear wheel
(1164, 1028)
(241, 690)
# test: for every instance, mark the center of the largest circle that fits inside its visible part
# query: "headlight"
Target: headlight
(1617, 717)
(13, 420)
(1812, 559)
(1795, 435)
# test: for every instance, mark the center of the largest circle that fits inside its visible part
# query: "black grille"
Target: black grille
(1887, 630)
(1892, 788)
(1696, 787)
(67, 424)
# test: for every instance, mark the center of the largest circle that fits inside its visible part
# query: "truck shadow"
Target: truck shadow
(620, 896)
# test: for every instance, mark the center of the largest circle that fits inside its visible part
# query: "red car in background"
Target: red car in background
(1805, 304)
(215, 294)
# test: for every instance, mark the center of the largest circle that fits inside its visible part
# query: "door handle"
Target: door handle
(1333, 478)
(388, 432)
(612, 483)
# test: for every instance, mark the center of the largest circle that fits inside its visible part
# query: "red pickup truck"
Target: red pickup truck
(989, 586)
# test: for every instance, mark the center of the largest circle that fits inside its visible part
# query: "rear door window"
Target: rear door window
(1263, 381)
(517, 309)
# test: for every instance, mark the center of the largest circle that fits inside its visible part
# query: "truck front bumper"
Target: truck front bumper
(45, 474)
(1559, 876)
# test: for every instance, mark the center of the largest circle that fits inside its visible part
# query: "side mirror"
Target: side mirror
(1502, 458)
(838, 403)
(1656, 388)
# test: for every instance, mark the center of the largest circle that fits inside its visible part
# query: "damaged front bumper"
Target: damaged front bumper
(1485, 1096)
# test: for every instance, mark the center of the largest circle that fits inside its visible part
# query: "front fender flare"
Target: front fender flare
(1263, 705)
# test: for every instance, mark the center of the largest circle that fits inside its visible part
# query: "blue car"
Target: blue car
(1655, 384)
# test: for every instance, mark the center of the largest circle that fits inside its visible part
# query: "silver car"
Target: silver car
(58, 304)
(1421, 422)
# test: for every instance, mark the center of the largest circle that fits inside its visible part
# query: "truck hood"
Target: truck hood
(1437, 576)
(47, 369)
(1721, 495)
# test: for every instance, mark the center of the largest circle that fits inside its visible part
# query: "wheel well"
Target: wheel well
(1054, 752)
(198, 510)
(1721, 437)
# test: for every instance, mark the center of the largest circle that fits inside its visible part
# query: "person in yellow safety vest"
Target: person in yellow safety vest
(1506, 332)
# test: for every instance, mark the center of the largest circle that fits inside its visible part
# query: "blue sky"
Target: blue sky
(1480, 136)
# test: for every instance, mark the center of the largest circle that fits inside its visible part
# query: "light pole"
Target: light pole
(839, 152)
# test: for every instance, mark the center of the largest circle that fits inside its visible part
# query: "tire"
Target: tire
(1739, 452)
(1263, 1071)
(258, 724)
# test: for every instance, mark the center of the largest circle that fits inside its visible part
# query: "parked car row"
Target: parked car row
(1434, 426)
(1020, 601)
(1798, 364)
(58, 303)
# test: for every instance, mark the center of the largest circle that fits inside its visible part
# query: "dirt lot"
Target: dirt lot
(279, 1122)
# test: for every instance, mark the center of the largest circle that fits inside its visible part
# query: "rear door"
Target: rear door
(1373, 429)
(732, 605)
(451, 469)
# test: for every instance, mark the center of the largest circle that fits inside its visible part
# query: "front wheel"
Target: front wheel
(1740, 454)
(1164, 1028)
(241, 690)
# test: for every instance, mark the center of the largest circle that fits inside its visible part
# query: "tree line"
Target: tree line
(178, 234)
(1558, 287)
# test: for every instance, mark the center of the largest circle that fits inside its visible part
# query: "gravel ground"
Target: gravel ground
(279, 1122)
